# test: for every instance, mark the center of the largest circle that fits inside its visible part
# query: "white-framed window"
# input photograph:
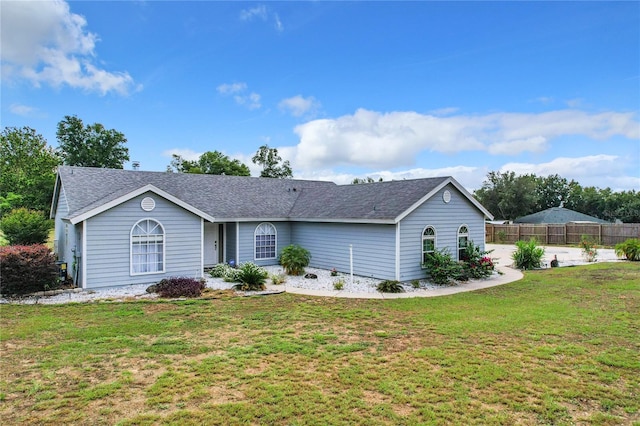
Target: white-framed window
(265, 241)
(428, 242)
(147, 247)
(463, 239)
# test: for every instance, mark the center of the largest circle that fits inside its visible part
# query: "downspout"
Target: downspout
(237, 243)
(398, 251)
(83, 255)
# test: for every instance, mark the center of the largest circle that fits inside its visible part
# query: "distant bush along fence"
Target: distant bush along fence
(570, 233)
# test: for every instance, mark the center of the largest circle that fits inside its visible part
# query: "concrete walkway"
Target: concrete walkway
(501, 256)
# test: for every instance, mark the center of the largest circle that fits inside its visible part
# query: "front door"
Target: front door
(211, 244)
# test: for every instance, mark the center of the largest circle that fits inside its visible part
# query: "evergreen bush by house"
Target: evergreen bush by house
(294, 259)
(25, 227)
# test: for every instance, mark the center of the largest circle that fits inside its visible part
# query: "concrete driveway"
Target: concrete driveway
(567, 256)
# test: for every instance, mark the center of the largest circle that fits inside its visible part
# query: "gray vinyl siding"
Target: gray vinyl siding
(230, 241)
(373, 247)
(247, 245)
(446, 218)
(108, 243)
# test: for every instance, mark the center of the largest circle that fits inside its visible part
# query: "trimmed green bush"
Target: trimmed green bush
(25, 227)
(180, 287)
(294, 259)
(27, 269)
(252, 277)
(629, 249)
(528, 255)
(390, 286)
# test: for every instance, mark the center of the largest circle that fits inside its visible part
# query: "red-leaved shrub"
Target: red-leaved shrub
(27, 269)
(180, 287)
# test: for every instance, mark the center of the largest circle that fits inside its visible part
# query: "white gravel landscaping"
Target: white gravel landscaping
(567, 256)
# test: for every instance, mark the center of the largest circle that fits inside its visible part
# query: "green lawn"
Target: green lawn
(559, 347)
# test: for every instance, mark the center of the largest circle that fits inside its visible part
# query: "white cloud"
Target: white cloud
(390, 140)
(229, 88)
(187, 154)
(299, 105)
(262, 13)
(533, 144)
(239, 91)
(593, 170)
(254, 12)
(469, 177)
(44, 43)
(22, 110)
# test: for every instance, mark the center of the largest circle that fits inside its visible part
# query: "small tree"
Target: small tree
(528, 255)
(270, 161)
(630, 249)
(25, 227)
(294, 259)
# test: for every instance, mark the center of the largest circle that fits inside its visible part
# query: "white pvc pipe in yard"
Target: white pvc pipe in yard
(351, 262)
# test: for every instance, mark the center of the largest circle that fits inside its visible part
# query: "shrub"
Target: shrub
(415, 284)
(27, 269)
(338, 285)
(589, 248)
(528, 255)
(25, 227)
(252, 277)
(630, 249)
(442, 269)
(180, 287)
(390, 286)
(277, 279)
(476, 263)
(225, 271)
(294, 259)
(220, 270)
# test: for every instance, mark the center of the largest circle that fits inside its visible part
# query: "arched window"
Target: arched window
(428, 242)
(265, 241)
(147, 247)
(463, 239)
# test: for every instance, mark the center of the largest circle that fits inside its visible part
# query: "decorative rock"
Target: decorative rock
(311, 276)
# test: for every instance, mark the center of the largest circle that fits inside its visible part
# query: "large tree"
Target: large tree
(92, 145)
(27, 169)
(272, 164)
(212, 163)
(508, 196)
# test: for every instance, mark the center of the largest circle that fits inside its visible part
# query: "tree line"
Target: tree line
(28, 164)
(28, 170)
(509, 196)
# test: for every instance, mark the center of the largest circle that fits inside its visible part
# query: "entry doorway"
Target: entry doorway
(213, 247)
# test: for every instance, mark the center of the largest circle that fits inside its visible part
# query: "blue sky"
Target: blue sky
(343, 89)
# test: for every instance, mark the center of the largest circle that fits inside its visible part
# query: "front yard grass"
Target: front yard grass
(559, 347)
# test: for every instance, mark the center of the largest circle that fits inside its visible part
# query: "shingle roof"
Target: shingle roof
(239, 197)
(558, 215)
